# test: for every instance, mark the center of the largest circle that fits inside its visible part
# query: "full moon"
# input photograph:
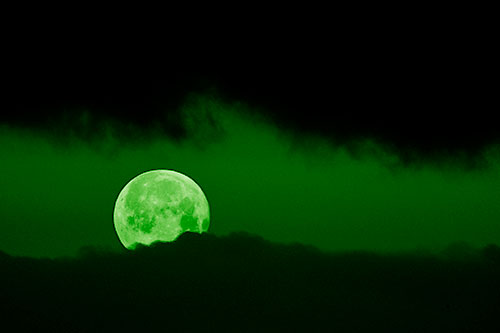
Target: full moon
(159, 205)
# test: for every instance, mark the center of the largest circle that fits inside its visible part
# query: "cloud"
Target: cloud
(259, 178)
(244, 283)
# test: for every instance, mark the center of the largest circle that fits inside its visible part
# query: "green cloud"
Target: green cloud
(258, 178)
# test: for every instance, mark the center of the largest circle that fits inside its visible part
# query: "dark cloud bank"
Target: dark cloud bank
(243, 283)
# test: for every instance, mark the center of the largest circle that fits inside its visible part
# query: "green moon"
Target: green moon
(159, 205)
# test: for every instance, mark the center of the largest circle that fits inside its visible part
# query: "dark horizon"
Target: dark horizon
(243, 283)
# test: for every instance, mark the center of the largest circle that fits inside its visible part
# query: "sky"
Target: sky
(58, 195)
(351, 161)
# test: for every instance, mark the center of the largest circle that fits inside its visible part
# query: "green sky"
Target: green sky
(57, 195)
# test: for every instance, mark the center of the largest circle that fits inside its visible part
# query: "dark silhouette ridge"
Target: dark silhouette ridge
(242, 283)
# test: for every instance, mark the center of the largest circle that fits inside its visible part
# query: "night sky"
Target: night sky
(368, 173)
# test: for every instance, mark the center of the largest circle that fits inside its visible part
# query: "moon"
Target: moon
(159, 205)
